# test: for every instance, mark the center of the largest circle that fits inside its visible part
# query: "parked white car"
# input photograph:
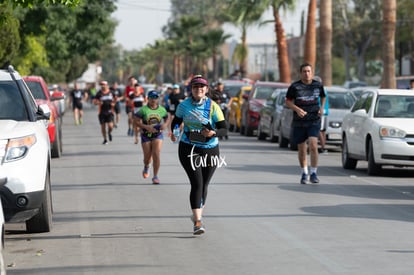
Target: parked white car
(2, 265)
(380, 130)
(24, 155)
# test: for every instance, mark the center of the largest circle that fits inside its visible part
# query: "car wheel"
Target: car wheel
(283, 142)
(347, 162)
(56, 150)
(248, 131)
(373, 168)
(60, 137)
(260, 134)
(236, 128)
(273, 137)
(42, 221)
(242, 125)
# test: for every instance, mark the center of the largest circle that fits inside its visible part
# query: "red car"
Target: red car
(250, 110)
(42, 95)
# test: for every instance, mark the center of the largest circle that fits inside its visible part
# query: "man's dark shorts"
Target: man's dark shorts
(77, 105)
(117, 107)
(106, 118)
(301, 133)
(128, 109)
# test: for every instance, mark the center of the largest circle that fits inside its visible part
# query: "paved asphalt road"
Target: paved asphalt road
(259, 219)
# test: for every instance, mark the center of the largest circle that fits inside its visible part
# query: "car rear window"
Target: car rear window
(340, 100)
(36, 89)
(263, 92)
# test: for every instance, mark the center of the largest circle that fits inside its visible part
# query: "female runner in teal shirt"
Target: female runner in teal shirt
(198, 148)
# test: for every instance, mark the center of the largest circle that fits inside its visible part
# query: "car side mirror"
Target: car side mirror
(245, 97)
(43, 112)
(361, 112)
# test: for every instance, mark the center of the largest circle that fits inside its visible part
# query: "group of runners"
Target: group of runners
(201, 122)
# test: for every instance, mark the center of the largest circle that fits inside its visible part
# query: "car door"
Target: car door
(358, 124)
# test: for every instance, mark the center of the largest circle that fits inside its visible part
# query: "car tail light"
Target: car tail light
(52, 117)
(17, 148)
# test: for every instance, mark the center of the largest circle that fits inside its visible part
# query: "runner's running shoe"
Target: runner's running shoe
(304, 179)
(145, 172)
(155, 180)
(314, 178)
(198, 228)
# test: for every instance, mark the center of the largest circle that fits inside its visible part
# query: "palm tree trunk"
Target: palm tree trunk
(325, 36)
(310, 37)
(389, 15)
(215, 68)
(282, 50)
(243, 63)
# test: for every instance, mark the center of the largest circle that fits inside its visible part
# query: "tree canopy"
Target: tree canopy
(33, 3)
(58, 42)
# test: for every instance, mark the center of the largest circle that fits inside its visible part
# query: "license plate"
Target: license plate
(334, 136)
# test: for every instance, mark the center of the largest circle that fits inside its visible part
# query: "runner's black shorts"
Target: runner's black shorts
(301, 133)
(106, 118)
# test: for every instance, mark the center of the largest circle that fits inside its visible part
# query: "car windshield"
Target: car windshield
(246, 92)
(340, 100)
(394, 106)
(232, 90)
(11, 102)
(36, 89)
(263, 92)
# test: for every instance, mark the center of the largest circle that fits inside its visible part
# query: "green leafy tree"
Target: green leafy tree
(73, 37)
(404, 36)
(9, 33)
(356, 33)
(33, 3)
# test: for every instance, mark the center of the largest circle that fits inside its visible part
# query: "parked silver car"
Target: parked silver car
(340, 101)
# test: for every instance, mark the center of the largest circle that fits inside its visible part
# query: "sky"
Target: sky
(140, 23)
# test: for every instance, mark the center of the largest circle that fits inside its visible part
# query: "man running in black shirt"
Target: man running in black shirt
(106, 102)
(303, 98)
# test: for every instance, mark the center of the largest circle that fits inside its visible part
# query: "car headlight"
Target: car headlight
(335, 124)
(17, 148)
(391, 132)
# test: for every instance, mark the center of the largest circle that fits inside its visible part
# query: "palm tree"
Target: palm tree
(244, 13)
(214, 39)
(325, 38)
(389, 14)
(184, 31)
(310, 36)
(281, 43)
